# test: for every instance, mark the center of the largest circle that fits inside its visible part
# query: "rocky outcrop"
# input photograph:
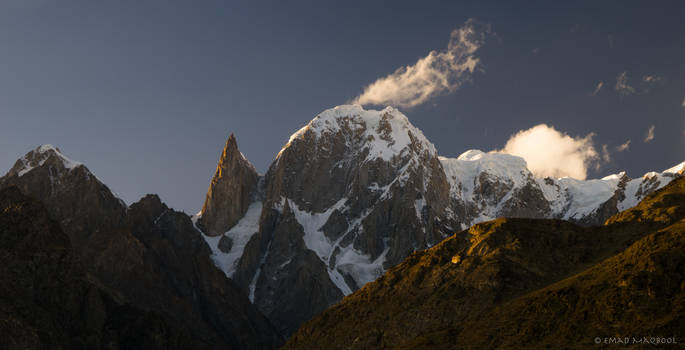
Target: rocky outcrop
(147, 254)
(524, 284)
(47, 300)
(230, 193)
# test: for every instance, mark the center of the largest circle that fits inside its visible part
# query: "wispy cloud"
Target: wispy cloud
(605, 154)
(683, 104)
(436, 74)
(597, 88)
(624, 146)
(651, 79)
(549, 152)
(650, 134)
(622, 86)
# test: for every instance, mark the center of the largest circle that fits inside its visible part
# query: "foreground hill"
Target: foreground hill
(525, 283)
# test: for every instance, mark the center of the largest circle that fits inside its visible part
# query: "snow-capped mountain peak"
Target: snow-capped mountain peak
(39, 156)
(385, 133)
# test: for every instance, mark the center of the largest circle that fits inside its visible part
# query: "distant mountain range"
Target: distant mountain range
(352, 194)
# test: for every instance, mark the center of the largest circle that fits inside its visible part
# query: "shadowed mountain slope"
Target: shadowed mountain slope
(147, 254)
(47, 300)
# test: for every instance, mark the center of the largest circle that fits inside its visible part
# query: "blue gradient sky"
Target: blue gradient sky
(146, 92)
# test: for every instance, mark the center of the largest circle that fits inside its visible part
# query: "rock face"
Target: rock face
(230, 193)
(49, 302)
(147, 254)
(524, 284)
(356, 191)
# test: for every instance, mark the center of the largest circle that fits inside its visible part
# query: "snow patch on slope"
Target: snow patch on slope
(239, 234)
(348, 260)
(462, 172)
(587, 195)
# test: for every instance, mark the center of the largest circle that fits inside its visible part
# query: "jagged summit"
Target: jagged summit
(41, 155)
(385, 133)
(230, 192)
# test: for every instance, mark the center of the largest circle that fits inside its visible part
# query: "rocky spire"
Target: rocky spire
(230, 192)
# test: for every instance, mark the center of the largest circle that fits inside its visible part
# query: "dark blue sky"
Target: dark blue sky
(146, 92)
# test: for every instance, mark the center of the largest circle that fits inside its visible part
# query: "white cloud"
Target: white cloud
(622, 85)
(549, 152)
(597, 88)
(624, 146)
(683, 104)
(650, 134)
(436, 74)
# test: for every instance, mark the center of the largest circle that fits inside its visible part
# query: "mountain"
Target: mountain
(73, 195)
(230, 193)
(355, 191)
(48, 301)
(351, 193)
(148, 255)
(485, 186)
(525, 284)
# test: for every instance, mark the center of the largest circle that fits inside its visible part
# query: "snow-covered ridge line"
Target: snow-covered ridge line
(40, 155)
(37, 158)
(678, 169)
(568, 198)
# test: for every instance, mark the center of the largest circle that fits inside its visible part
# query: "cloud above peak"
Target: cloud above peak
(438, 73)
(552, 153)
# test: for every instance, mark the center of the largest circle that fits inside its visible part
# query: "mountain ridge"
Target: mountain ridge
(147, 254)
(366, 189)
(351, 194)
